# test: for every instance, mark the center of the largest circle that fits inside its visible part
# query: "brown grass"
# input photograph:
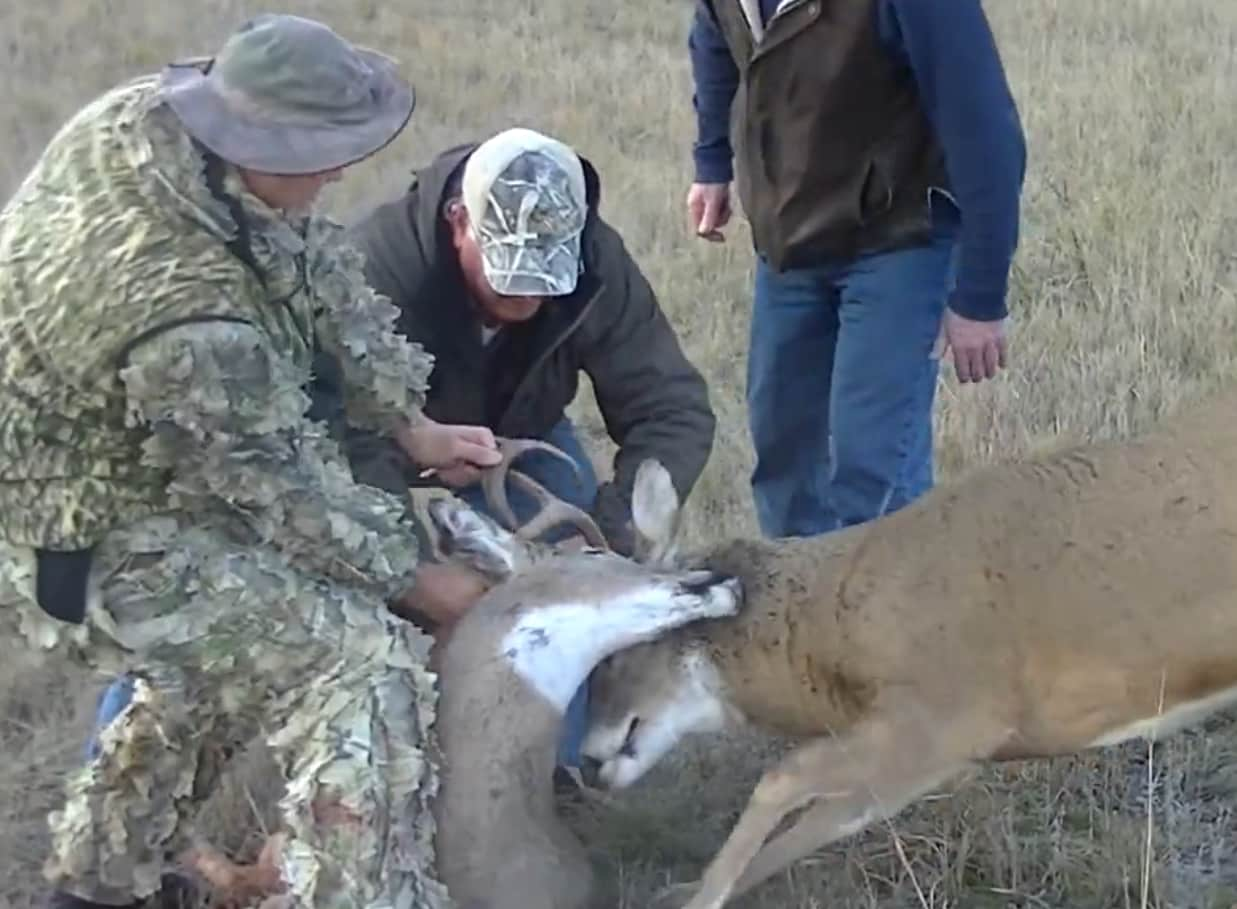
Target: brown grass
(1124, 307)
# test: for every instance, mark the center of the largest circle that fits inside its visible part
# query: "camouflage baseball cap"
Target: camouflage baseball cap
(525, 198)
(287, 95)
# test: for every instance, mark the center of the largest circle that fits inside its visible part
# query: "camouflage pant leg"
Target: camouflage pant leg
(129, 805)
(26, 627)
(358, 803)
(227, 640)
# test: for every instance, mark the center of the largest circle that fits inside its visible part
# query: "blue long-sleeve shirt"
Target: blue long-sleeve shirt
(951, 53)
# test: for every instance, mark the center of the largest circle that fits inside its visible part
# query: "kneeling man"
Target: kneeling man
(503, 268)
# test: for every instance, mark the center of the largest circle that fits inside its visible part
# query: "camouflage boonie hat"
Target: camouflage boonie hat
(525, 198)
(287, 95)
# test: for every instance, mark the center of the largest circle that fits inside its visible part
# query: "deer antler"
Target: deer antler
(553, 509)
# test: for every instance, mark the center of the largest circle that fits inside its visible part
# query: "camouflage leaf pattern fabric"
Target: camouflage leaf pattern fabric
(115, 233)
(226, 413)
(154, 408)
(228, 642)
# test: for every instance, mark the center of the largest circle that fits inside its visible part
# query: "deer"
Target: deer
(507, 671)
(1071, 600)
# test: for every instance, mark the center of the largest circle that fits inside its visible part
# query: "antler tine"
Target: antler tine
(493, 479)
(556, 511)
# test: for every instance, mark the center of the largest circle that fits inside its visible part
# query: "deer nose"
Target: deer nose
(699, 582)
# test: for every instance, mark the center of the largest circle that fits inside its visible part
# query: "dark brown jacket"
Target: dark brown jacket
(653, 400)
(833, 154)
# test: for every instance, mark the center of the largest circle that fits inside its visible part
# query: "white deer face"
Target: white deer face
(570, 609)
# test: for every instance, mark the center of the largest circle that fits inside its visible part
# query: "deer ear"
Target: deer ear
(654, 513)
(470, 538)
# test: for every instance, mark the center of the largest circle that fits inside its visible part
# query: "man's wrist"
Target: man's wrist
(713, 167)
(403, 436)
(409, 435)
(979, 306)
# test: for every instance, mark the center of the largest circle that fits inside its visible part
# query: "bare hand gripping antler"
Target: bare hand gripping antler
(553, 511)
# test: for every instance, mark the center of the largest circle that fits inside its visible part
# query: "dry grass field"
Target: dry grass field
(1125, 305)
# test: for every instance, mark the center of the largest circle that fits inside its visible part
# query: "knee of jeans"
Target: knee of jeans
(878, 473)
(882, 458)
(580, 489)
(574, 726)
(563, 437)
(917, 466)
(114, 700)
(575, 718)
(879, 456)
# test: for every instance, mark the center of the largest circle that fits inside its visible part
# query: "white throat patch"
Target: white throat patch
(555, 648)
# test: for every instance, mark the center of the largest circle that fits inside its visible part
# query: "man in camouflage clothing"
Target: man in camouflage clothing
(170, 512)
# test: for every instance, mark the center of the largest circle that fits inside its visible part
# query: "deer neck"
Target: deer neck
(499, 739)
(499, 839)
(785, 661)
(498, 830)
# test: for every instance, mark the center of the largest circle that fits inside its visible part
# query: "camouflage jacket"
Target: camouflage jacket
(144, 367)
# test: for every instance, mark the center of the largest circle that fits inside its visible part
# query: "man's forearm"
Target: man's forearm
(716, 79)
(962, 86)
(226, 418)
(384, 376)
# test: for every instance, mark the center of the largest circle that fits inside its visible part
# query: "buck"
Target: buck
(507, 671)
(1070, 601)
(510, 667)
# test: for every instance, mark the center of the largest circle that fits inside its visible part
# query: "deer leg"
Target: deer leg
(824, 823)
(872, 772)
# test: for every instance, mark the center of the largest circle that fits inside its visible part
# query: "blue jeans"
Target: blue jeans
(550, 472)
(840, 384)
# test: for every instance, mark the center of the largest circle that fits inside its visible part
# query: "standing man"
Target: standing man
(169, 513)
(879, 157)
(504, 270)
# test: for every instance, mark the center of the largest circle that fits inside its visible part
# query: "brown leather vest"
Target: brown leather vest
(833, 154)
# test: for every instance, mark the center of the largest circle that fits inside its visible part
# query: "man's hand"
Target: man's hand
(708, 207)
(458, 475)
(442, 592)
(979, 347)
(449, 448)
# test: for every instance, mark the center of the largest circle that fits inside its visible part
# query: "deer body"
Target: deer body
(1071, 632)
(497, 828)
(1036, 609)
